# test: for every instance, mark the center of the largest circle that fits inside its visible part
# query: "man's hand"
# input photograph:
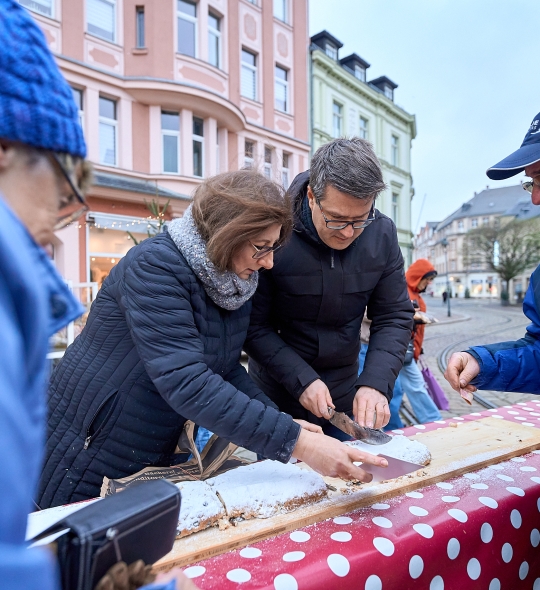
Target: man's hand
(316, 398)
(462, 368)
(367, 403)
(328, 456)
(309, 426)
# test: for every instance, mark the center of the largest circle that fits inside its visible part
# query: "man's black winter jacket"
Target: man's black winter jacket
(156, 350)
(307, 312)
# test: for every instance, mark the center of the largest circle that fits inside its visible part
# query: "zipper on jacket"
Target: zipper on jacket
(331, 259)
(90, 437)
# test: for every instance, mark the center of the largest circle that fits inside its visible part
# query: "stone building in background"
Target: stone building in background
(170, 92)
(490, 207)
(346, 103)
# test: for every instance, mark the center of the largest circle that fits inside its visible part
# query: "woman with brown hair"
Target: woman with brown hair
(162, 345)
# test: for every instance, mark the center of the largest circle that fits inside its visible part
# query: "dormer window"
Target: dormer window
(331, 50)
(389, 92)
(360, 72)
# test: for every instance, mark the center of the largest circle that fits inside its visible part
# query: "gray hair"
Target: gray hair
(350, 166)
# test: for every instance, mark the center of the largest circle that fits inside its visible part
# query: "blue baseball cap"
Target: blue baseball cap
(527, 154)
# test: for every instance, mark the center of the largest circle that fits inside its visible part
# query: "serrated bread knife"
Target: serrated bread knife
(371, 436)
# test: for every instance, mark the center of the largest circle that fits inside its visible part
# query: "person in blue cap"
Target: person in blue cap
(515, 365)
(43, 177)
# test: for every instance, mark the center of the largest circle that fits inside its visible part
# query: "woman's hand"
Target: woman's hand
(328, 456)
(308, 426)
(462, 368)
(316, 398)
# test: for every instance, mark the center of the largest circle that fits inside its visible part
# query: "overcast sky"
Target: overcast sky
(466, 68)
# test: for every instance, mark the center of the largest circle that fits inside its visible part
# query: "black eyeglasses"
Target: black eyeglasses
(262, 251)
(357, 224)
(528, 185)
(73, 205)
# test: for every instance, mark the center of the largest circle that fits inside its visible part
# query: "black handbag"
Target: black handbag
(138, 523)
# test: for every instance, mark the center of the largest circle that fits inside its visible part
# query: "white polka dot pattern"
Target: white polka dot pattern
(285, 582)
(384, 546)
(416, 566)
(238, 575)
(452, 548)
(194, 571)
(338, 564)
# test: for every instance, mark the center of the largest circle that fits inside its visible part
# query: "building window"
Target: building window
(460, 224)
(249, 75)
(389, 92)
(214, 40)
(187, 28)
(249, 153)
(40, 6)
(363, 131)
(394, 150)
(474, 222)
(485, 221)
(170, 141)
(198, 146)
(78, 98)
(395, 207)
(280, 10)
(101, 15)
(267, 161)
(282, 90)
(108, 128)
(253, 2)
(285, 170)
(331, 50)
(337, 119)
(360, 72)
(139, 27)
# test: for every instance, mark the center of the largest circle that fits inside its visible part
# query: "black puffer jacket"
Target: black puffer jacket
(155, 351)
(307, 312)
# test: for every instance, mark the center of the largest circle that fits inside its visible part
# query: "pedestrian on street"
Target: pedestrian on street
(43, 178)
(343, 256)
(419, 275)
(444, 296)
(508, 366)
(162, 345)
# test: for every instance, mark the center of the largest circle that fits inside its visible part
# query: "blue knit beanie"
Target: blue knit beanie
(36, 103)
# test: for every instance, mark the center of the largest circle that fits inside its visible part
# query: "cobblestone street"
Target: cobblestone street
(473, 322)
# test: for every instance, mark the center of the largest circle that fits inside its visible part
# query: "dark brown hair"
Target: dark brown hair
(234, 207)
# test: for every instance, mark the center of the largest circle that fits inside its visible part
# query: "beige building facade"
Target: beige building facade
(171, 92)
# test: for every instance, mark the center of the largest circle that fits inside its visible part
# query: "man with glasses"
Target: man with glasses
(344, 256)
(508, 366)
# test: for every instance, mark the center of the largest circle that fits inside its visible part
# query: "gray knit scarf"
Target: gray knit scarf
(226, 289)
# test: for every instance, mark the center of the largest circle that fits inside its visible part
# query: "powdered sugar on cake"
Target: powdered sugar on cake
(263, 489)
(400, 447)
(200, 508)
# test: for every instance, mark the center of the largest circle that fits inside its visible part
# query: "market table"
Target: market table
(480, 530)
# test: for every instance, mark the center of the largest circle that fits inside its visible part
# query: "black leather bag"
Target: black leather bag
(138, 523)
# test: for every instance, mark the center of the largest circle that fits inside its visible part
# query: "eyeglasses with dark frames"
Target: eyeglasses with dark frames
(74, 205)
(357, 224)
(528, 185)
(262, 251)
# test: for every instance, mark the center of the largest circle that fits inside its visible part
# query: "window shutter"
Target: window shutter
(101, 19)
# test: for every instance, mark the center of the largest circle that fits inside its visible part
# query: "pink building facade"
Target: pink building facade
(170, 92)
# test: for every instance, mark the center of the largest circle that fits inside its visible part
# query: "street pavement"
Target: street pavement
(473, 322)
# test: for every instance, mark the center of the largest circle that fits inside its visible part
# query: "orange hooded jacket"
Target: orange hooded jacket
(414, 275)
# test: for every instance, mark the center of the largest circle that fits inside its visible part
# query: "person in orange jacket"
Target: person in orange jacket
(419, 275)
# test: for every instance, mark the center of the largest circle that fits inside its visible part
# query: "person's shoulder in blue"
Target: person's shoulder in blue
(515, 365)
(42, 180)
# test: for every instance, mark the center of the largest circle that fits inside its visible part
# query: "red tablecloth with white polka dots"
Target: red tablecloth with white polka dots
(481, 530)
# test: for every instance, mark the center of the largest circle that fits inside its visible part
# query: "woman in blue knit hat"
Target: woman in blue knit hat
(43, 177)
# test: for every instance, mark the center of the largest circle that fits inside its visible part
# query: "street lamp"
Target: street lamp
(444, 244)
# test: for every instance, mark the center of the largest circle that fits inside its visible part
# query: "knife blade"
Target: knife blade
(396, 468)
(371, 436)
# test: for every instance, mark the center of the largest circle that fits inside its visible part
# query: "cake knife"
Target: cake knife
(371, 436)
(396, 468)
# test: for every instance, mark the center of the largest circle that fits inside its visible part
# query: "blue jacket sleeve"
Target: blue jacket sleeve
(514, 366)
